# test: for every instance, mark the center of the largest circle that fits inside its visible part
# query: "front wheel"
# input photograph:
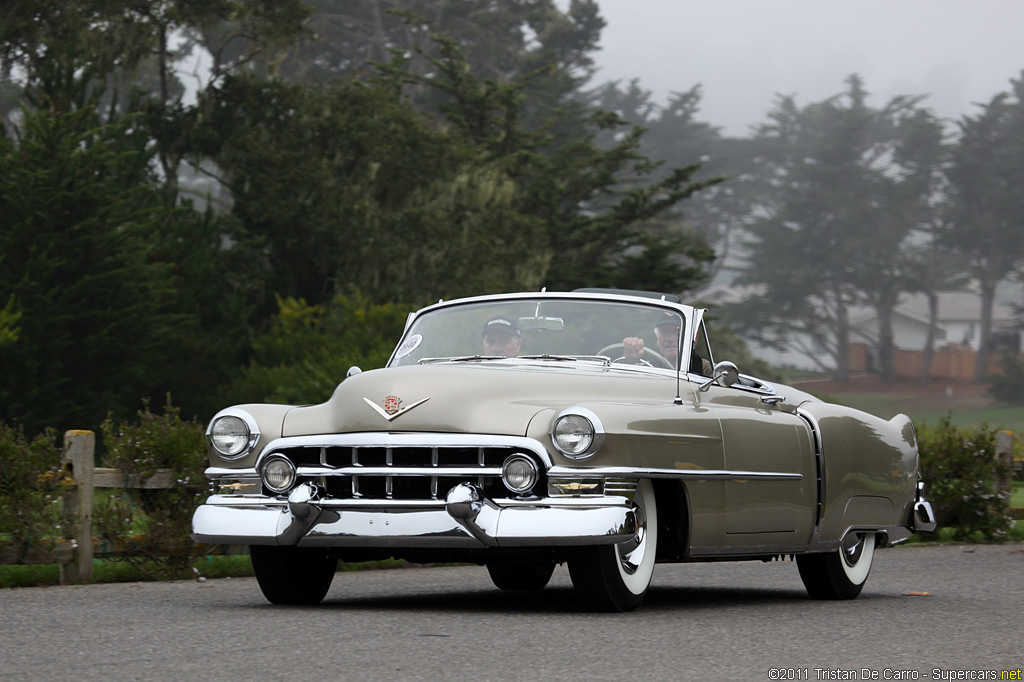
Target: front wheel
(293, 575)
(840, 574)
(616, 577)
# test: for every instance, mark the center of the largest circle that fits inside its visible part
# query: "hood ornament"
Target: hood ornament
(392, 408)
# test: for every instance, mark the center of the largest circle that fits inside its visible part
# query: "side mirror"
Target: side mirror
(352, 371)
(725, 373)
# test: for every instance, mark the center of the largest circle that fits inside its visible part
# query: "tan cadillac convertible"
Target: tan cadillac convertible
(593, 428)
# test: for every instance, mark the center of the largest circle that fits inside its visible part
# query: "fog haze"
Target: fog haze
(745, 52)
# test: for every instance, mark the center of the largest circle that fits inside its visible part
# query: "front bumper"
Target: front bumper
(463, 520)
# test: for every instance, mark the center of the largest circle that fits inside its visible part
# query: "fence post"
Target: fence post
(79, 461)
(1003, 462)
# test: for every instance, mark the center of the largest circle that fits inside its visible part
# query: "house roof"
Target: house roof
(954, 306)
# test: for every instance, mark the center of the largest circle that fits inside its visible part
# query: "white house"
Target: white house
(958, 326)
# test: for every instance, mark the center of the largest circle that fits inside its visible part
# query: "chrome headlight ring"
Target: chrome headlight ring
(520, 473)
(577, 432)
(232, 433)
(278, 474)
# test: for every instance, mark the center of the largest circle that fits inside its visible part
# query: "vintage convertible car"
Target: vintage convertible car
(521, 431)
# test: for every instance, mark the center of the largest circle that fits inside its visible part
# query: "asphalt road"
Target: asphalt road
(734, 621)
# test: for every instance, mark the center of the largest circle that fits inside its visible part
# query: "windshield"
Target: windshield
(550, 329)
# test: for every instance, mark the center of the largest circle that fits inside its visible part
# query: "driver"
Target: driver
(666, 331)
(501, 337)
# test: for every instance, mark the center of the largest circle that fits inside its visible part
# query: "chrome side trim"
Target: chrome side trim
(682, 474)
(819, 464)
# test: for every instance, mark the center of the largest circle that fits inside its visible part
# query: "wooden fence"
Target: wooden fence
(948, 364)
(76, 551)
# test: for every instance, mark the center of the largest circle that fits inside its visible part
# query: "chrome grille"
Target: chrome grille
(406, 472)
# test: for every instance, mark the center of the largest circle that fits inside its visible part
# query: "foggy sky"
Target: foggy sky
(744, 52)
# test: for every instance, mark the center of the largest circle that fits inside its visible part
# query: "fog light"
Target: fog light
(278, 474)
(519, 473)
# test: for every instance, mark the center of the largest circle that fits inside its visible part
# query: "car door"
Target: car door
(771, 497)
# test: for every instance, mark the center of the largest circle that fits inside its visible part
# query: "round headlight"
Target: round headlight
(230, 436)
(278, 474)
(519, 473)
(573, 435)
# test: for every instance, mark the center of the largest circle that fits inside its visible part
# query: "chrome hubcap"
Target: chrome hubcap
(853, 548)
(631, 552)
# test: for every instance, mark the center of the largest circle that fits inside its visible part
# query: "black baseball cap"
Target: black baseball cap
(502, 324)
(666, 318)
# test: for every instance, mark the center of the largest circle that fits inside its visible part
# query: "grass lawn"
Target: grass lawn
(926, 410)
(1000, 418)
(120, 571)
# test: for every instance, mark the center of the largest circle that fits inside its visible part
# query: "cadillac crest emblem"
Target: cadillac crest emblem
(392, 406)
(392, 403)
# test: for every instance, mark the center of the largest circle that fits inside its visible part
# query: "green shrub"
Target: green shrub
(1008, 385)
(163, 516)
(310, 348)
(958, 467)
(32, 486)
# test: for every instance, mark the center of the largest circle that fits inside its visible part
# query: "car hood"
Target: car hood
(495, 397)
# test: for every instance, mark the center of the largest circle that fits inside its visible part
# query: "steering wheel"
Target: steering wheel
(647, 351)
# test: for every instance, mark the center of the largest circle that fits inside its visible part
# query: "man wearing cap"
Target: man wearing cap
(666, 330)
(502, 337)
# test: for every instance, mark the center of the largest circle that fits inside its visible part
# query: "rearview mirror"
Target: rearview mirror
(548, 324)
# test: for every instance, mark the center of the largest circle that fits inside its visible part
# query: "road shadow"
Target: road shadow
(551, 600)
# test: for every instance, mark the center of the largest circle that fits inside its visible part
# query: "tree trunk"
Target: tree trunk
(842, 341)
(886, 359)
(988, 294)
(929, 342)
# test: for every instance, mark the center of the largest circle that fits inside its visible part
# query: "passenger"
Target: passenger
(501, 337)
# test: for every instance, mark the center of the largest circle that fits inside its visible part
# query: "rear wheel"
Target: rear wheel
(840, 574)
(616, 577)
(521, 575)
(293, 575)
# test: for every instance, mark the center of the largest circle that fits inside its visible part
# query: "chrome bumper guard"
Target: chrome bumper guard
(923, 520)
(465, 519)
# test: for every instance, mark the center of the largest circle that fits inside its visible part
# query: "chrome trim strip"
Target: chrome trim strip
(819, 464)
(460, 472)
(240, 501)
(682, 474)
(380, 439)
(224, 472)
